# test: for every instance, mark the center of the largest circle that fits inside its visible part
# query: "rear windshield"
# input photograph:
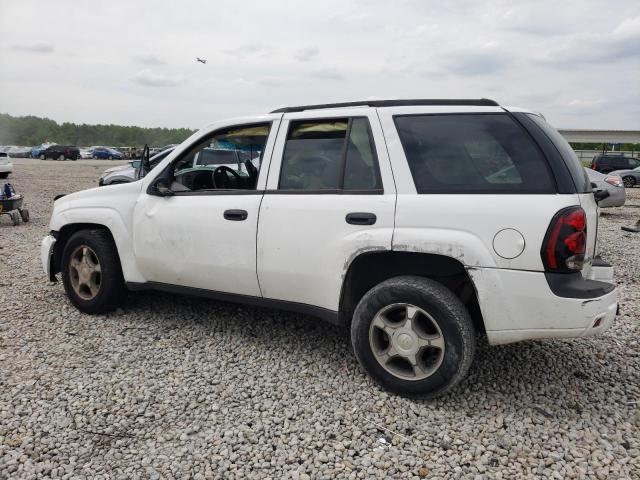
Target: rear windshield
(580, 178)
(472, 153)
(209, 156)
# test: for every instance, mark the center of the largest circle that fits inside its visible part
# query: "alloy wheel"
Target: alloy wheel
(85, 272)
(406, 341)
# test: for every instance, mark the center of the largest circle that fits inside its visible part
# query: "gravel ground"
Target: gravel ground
(174, 387)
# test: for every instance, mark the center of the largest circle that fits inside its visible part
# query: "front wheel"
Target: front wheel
(61, 158)
(91, 272)
(4, 174)
(413, 336)
(629, 181)
(42, 157)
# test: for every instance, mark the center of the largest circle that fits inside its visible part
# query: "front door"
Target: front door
(202, 233)
(330, 197)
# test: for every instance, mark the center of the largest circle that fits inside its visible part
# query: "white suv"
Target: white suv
(417, 223)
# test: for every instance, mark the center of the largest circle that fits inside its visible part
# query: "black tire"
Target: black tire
(448, 312)
(4, 174)
(42, 157)
(629, 181)
(15, 218)
(24, 214)
(61, 158)
(112, 292)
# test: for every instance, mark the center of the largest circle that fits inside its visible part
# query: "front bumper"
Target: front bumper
(520, 305)
(46, 256)
(6, 168)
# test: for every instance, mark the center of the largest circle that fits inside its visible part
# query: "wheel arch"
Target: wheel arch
(371, 268)
(116, 229)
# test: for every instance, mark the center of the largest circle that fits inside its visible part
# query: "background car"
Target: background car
(631, 178)
(612, 184)
(86, 153)
(60, 152)
(130, 172)
(6, 167)
(106, 153)
(609, 163)
(19, 152)
(36, 151)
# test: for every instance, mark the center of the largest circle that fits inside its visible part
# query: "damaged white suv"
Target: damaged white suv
(417, 223)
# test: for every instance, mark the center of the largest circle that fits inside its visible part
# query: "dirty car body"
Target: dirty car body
(465, 215)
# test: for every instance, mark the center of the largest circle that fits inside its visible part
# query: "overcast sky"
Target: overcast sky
(133, 62)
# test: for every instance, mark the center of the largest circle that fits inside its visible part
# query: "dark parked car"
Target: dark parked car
(60, 152)
(609, 163)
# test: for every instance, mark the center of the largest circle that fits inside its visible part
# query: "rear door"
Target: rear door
(330, 197)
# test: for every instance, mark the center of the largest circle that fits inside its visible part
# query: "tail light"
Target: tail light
(565, 242)
(614, 180)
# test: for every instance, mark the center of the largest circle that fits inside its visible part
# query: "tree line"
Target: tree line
(30, 130)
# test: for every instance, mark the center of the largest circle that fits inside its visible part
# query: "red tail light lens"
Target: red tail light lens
(565, 243)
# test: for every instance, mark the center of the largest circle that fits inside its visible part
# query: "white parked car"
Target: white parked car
(417, 223)
(6, 167)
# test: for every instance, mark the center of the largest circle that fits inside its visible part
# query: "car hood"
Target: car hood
(117, 169)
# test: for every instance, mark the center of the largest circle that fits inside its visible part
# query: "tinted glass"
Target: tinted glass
(209, 156)
(634, 163)
(467, 153)
(572, 162)
(361, 171)
(313, 155)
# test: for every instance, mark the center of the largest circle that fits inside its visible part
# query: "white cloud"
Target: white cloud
(40, 47)
(306, 54)
(147, 78)
(148, 59)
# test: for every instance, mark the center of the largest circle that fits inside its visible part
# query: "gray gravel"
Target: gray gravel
(174, 386)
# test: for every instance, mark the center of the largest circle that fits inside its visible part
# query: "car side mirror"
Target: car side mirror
(136, 164)
(162, 188)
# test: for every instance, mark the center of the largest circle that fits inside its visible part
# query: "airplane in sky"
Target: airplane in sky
(201, 60)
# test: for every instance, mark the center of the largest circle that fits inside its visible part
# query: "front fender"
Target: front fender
(111, 208)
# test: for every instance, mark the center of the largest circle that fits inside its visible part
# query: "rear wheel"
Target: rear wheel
(629, 181)
(15, 218)
(42, 157)
(4, 174)
(91, 272)
(413, 336)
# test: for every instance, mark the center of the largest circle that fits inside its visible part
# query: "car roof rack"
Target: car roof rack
(476, 102)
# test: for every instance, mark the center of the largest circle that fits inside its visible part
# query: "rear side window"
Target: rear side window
(330, 154)
(580, 178)
(472, 153)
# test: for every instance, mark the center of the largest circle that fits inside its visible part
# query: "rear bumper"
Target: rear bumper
(46, 256)
(6, 168)
(520, 305)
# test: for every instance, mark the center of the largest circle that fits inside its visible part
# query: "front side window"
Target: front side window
(330, 154)
(472, 153)
(229, 159)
